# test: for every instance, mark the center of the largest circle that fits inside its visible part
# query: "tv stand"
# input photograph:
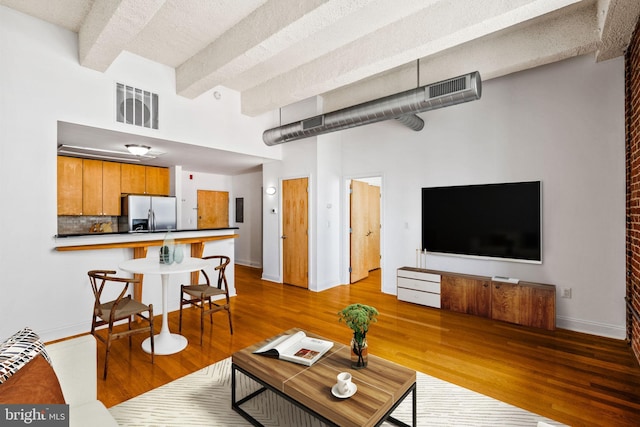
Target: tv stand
(522, 303)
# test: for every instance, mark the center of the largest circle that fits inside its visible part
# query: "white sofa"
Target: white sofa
(75, 364)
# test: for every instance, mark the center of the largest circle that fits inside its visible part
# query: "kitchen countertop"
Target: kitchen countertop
(62, 236)
(72, 242)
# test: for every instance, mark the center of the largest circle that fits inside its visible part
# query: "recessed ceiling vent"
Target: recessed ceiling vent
(136, 106)
(402, 106)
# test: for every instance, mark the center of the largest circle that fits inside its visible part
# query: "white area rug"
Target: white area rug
(203, 398)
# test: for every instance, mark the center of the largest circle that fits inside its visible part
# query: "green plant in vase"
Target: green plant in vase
(358, 317)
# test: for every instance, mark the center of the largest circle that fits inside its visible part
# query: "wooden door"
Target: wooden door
(295, 239)
(213, 209)
(69, 186)
(91, 187)
(359, 228)
(157, 181)
(373, 234)
(111, 188)
(132, 179)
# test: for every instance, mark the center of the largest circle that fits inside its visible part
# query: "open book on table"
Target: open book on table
(297, 348)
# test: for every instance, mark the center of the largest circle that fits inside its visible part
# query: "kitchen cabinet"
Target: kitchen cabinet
(69, 186)
(132, 179)
(139, 179)
(100, 188)
(94, 187)
(156, 181)
(91, 187)
(466, 294)
(111, 188)
(523, 303)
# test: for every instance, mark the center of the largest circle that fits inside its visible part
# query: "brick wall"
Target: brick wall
(632, 123)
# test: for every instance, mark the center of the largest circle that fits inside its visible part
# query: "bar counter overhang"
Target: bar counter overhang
(141, 241)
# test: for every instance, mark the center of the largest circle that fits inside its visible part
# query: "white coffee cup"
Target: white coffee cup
(344, 382)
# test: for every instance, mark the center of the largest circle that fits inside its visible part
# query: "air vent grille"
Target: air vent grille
(136, 106)
(313, 122)
(447, 87)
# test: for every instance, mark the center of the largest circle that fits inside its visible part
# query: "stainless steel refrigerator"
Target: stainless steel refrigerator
(148, 213)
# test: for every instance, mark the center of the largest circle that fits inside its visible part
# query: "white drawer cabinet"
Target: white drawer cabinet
(419, 287)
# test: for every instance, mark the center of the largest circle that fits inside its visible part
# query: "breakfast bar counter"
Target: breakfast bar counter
(90, 241)
(140, 243)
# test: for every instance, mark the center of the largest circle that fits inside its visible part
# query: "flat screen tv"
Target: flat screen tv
(491, 220)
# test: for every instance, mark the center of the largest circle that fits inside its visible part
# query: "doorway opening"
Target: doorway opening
(364, 240)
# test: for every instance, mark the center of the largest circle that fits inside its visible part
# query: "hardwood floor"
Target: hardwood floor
(573, 378)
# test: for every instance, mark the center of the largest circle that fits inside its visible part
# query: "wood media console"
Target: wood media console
(523, 303)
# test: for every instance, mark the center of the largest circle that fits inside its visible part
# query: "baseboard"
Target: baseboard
(328, 284)
(64, 332)
(593, 328)
(271, 278)
(253, 264)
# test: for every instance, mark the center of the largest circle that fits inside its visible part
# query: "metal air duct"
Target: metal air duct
(402, 106)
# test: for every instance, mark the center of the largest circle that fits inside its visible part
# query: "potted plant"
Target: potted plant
(358, 317)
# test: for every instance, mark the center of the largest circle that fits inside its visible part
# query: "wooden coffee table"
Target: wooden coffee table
(382, 385)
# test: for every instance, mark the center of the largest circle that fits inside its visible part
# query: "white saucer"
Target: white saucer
(351, 392)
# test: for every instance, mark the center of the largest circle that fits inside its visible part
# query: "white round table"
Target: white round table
(165, 342)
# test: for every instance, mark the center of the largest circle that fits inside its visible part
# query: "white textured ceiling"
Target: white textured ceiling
(277, 52)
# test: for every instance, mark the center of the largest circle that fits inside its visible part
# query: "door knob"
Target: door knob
(283, 237)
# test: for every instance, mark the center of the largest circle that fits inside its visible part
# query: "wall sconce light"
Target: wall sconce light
(270, 191)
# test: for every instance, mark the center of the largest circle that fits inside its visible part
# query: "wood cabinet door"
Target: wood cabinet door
(69, 186)
(111, 188)
(483, 298)
(538, 307)
(465, 295)
(132, 179)
(157, 181)
(91, 187)
(506, 300)
(527, 304)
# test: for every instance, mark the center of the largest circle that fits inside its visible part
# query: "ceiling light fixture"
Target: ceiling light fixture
(137, 149)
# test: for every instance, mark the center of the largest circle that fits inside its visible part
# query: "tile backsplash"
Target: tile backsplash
(71, 224)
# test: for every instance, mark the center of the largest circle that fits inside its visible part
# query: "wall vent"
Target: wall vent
(136, 107)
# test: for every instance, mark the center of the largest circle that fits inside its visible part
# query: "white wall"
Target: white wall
(41, 83)
(249, 243)
(299, 160)
(562, 124)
